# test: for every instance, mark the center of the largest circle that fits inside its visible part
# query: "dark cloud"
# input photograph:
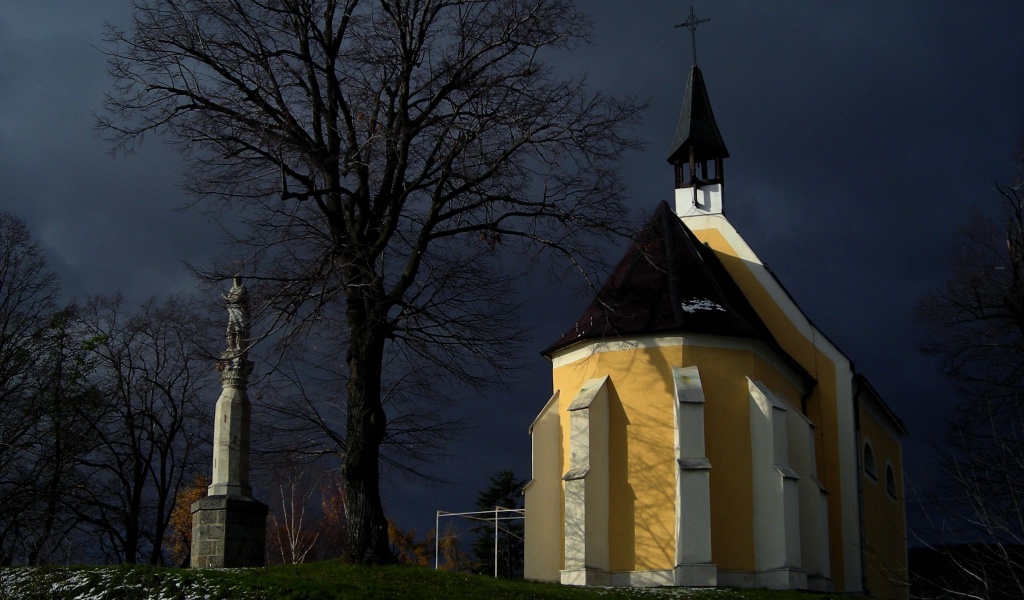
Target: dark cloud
(861, 134)
(108, 224)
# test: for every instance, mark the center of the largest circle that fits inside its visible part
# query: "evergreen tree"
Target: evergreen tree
(504, 491)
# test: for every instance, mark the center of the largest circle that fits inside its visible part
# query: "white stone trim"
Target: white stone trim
(654, 578)
(552, 401)
(588, 577)
(781, 579)
(586, 541)
(693, 485)
(588, 348)
(818, 583)
(814, 548)
(776, 495)
(853, 556)
(775, 579)
(588, 393)
(681, 576)
(694, 464)
(847, 435)
(696, 575)
(736, 579)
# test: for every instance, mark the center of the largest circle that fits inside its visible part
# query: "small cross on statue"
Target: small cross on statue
(691, 23)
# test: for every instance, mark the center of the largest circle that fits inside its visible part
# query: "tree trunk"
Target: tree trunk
(365, 429)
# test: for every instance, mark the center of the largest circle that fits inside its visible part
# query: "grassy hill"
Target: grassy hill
(318, 581)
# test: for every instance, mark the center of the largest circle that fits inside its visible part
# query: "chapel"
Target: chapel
(702, 431)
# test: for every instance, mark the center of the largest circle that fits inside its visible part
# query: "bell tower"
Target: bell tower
(698, 151)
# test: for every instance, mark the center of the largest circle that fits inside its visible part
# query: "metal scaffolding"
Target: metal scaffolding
(499, 514)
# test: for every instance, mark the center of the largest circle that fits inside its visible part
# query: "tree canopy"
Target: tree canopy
(976, 329)
(384, 156)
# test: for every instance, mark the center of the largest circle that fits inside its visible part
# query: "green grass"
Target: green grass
(327, 580)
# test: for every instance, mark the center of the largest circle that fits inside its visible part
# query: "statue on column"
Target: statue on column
(234, 357)
(228, 526)
(237, 300)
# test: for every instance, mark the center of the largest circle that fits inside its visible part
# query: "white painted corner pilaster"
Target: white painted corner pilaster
(586, 488)
(777, 555)
(693, 488)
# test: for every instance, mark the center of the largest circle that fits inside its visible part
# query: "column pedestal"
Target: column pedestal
(228, 531)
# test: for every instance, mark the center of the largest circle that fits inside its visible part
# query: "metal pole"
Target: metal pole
(495, 542)
(437, 536)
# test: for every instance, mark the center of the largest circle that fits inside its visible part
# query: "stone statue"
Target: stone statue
(237, 299)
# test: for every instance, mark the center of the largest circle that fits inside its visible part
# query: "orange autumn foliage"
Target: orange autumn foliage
(178, 537)
(407, 550)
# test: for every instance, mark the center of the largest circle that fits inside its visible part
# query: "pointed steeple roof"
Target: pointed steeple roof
(669, 282)
(697, 127)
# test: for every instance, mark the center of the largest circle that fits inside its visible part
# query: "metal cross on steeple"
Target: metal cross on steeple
(691, 23)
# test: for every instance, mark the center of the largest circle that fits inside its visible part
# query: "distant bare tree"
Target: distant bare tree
(976, 329)
(385, 155)
(292, 533)
(32, 398)
(333, 539)
(63, 391)
(155, 374)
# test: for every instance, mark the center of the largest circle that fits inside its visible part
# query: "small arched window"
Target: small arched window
(890, 481)
(869, 462)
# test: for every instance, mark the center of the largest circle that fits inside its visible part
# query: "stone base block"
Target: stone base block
(782, 579)
(775, 579)
(820, 583)
(659, 578)
(228, 531)
(586, 577)
(695, 575)
(698, 575)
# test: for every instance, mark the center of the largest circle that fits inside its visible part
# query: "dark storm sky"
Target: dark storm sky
(861, 134)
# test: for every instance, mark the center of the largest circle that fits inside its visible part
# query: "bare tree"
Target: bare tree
(976, 329)
(63, 390)
(384, 155)
(978, 316)
(292, 533)
(155, 376)
(30, 360)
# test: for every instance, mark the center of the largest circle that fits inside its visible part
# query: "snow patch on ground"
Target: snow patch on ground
(99, 584)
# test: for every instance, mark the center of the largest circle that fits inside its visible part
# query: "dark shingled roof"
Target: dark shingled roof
(697, 126)
(669, 282)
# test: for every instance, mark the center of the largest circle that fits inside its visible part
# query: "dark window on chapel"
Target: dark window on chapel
(890, 481)
(869, 462)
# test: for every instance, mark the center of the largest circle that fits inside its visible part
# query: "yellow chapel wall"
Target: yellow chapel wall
(829, 397)
(629, 457)
(544, 499)
(884, 515)
(642, 461)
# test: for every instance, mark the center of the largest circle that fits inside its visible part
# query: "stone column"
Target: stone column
(228, 526)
